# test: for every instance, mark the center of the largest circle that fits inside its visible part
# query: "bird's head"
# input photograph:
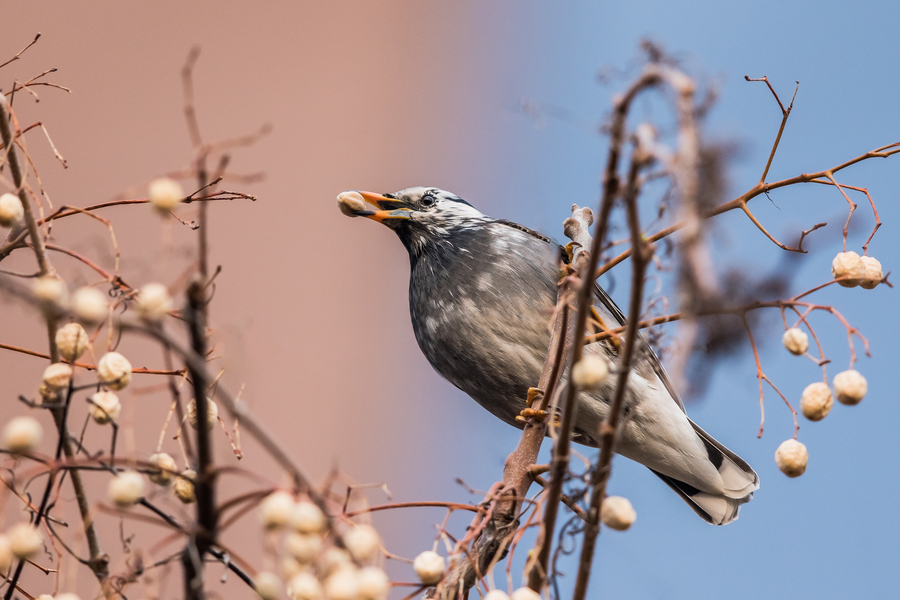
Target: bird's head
(418, 214)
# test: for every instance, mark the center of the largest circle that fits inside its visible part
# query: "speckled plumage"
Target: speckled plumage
(481, 294)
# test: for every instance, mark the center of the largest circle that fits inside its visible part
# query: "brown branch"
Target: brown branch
(756, 190)
(142, 370)
(22, 51)
(602, 470)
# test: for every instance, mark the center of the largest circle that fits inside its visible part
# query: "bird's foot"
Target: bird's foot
(530, 413)
(533, 394)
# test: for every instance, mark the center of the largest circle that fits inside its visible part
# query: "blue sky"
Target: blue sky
(831, 533)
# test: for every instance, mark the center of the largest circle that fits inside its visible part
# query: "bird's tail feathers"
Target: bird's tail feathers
(738, 478)
(712, 508)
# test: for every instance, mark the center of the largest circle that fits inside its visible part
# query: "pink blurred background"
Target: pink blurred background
(310, 311)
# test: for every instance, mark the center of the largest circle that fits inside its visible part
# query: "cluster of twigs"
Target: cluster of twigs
(497, 525)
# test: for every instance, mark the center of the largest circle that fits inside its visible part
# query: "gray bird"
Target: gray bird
(481, 292)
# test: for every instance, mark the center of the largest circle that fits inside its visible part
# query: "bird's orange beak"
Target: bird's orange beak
(390, 208)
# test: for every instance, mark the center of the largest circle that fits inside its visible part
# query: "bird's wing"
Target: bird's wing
(609, 307)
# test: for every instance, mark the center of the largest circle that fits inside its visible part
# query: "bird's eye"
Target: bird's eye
(428, 200)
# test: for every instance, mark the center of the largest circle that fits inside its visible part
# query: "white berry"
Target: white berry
(57, 376)
(306, 517)
(22, 434)
(429, 567)
(496, 594)
(6, 553)
(590, 372)
(154, 301)
(165, 194)
(848, 264)
(11, 211)
(275, 510)
(363, 542)
(617, 513)
(90, 305)
(68, 596)
(850, 387)
(525, 593)
(305, 586)
(165, 471)
(343, 584)
(268, 585)
(873, 272)
(51, 294)
(114, 370)
(25, 540)
(126, 488)
(212, 413)
(104, 407)
(184, 486)
(816, 401)
(333, 559)
(72, 341)
(373, 584)
(303, 546)
(349, 202)
(796, 341)
(791, 457)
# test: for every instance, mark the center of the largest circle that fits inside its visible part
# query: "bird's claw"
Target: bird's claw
(530, 413)
(533, 394)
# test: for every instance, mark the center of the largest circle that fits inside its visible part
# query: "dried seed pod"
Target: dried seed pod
(114, 371)
(363, 543)
(72, 341)
(126, 488)
(166, 468)
(796, 341)
(51, 294)
(275, 510)
(22, 434)
(154, 301)
(6, 553)
(350, 202)
(873, 272)
(306, 517)
(57, 376)
(373, 584)
(617, 513)
(25, 540)
(342, 585)
(212, 413)
(165, 194)
(11, 211)
(268, 585)
(848, 264)
(590, 372)
(90, 305)
(305, 586)
(333, 559)
(791, 457)
(184, 486)
(302, 546)
(816, 401)
(850, 387)
(105, 407)
(525, 593)
(429, 567)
